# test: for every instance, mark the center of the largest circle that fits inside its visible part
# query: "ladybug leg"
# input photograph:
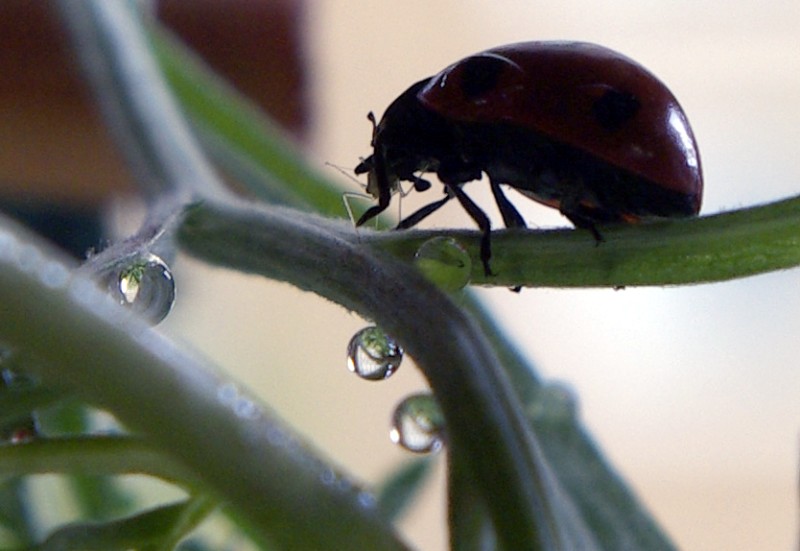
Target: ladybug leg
(420, 184)
(422, 213)
(598, 237)
(364, 166)
(585, 223)
(483, 223)
(377, 167)
(579, 215)
(372, 212)
(511, 216)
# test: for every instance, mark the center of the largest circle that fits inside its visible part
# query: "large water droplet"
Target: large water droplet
(444, 262)
(146, 286)
(373, 355)
(418, 424)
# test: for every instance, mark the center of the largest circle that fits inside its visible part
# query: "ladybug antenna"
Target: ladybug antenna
(345, 172)
(371, 118)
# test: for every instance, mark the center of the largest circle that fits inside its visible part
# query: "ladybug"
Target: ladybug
(572, 125)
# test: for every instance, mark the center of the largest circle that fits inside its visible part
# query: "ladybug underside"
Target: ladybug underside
(585, 189)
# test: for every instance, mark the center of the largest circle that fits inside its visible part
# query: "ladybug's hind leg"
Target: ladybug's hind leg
(585, 223)
(582, 216)
(511, 216)
(483, 223)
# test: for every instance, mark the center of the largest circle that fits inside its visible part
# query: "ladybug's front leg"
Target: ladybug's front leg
(422, 213)
(420, 184)
(379, 177)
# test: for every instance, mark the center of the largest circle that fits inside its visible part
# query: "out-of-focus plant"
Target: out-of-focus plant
(523, 474)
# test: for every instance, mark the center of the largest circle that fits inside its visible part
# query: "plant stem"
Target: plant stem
(83, 340)
(97, 455)
(483, 416)
(719, 247)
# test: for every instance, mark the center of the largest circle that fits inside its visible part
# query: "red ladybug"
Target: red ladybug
(574, 126)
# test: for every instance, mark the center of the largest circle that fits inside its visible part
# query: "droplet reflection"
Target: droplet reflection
(445, 263)
(146, 286)
(373, 355)
(418, 424)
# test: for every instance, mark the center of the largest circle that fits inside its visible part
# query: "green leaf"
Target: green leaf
(148, 528)
(401, 487)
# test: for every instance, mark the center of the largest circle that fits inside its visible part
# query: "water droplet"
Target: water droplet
(245, 408)
(418, 424)
(373, 355)
(230, 396)
(367, 500)
(328, 477)
(146, 286)
(227, 393)
(29, 258)
(444, 262)
(54, 274)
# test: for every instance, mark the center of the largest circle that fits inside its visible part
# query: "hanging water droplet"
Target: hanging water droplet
(373, 355)
(146, 286)
(418, 424)
(444, 262)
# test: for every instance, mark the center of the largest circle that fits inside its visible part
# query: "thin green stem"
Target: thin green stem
(719, 247)
(96, 455)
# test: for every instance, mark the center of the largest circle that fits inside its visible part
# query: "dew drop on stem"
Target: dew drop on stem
(146, 286)
(418, 424)
(373, 355)
(445, 263)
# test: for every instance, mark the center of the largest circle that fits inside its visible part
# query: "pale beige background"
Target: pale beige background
(692, 392)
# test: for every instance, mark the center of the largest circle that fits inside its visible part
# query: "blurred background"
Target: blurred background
(691, 392)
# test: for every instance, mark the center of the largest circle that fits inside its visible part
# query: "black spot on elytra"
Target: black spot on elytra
(615, 108)
(480, 75)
